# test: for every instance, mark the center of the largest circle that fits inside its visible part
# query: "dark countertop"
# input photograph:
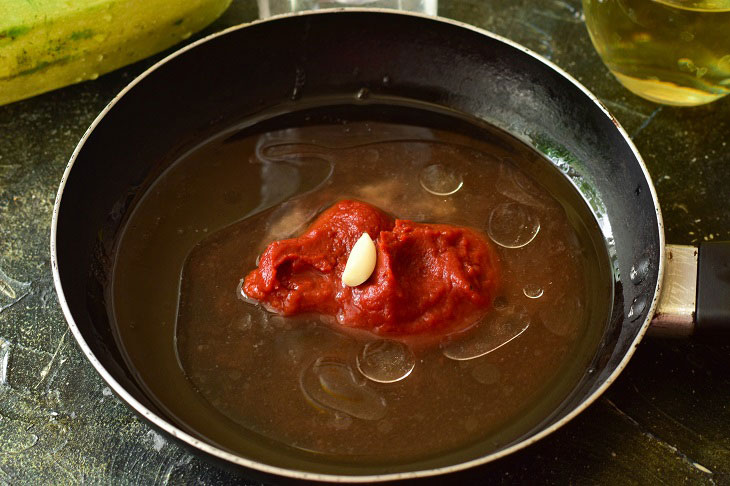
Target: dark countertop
(666, 419)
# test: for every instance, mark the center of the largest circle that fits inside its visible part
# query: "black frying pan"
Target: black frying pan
(240, 72)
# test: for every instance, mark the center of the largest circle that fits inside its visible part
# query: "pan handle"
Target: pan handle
(695, 298)
(713, 288)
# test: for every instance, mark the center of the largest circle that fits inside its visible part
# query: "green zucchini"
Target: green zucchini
(46, 44)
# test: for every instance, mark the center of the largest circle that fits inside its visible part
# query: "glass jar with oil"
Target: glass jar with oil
(675, 52)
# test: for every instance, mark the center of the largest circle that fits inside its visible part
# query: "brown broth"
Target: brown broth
(268, 386)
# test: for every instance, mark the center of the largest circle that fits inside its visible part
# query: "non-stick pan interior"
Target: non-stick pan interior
(285, 61)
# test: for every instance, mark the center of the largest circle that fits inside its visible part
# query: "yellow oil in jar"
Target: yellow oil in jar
(675, 52)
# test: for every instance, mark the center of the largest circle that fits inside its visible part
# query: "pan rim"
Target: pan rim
(219, 453)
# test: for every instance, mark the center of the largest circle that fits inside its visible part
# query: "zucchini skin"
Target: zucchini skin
(44, 48)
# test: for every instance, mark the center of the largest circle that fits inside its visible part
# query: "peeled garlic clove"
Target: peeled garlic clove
(361, 262)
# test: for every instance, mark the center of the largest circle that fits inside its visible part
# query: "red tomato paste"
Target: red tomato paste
(428, 277)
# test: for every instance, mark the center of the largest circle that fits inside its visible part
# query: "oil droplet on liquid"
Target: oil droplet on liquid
(496, 330)
(440, 180)
(385, 361)
(331, 384)
(513, 225)
(532, 291)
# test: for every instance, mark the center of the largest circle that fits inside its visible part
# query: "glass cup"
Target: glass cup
(267, 8)
(675, 52)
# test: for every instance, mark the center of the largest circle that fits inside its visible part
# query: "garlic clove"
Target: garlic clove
(361, 262)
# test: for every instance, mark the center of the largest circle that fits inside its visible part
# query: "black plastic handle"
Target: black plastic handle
(713, 288)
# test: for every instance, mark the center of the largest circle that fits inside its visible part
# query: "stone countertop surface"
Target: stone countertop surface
(666, 419)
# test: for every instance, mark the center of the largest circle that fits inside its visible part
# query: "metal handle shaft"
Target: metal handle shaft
(675, 312)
